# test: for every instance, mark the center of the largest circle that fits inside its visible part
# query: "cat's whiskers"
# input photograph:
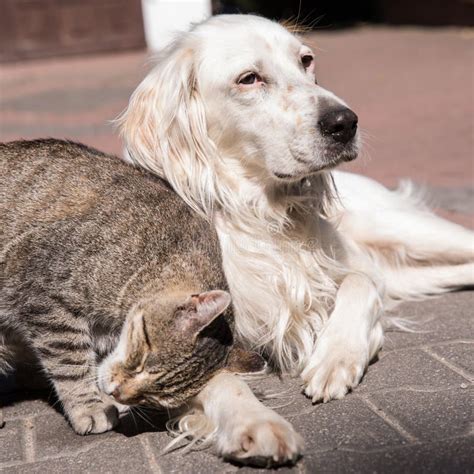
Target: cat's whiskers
(133, 417)
(142, 415)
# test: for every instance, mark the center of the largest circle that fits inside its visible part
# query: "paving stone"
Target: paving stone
(299, 467)
(105, 457)
(408, 368)
(283, 394)
(446, 318)
(347, 423)
(458, 353)
(10, 442)
(452, 456)
(430, 415)
(195, 462)
(80, 99)
(25, 406)
(55, 437)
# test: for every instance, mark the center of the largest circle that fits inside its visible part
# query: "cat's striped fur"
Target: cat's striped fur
(83, 249)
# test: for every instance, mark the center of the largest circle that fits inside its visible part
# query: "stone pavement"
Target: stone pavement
(412, 89)
(411, 414)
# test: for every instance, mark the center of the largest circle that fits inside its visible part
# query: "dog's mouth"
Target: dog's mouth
(330, 161)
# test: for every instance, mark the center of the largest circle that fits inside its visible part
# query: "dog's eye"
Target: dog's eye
(249, 78)
(306, 60)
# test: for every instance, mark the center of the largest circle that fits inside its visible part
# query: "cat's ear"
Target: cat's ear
(201, 310)
(137, 345)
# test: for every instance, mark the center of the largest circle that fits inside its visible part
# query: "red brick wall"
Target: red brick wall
(40, 28)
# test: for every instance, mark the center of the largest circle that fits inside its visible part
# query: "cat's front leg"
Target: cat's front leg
(246, 430)
(67, 356)
(86, 408)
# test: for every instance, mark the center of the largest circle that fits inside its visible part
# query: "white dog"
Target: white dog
(233, 118)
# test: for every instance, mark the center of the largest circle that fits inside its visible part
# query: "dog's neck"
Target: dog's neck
(258, 202)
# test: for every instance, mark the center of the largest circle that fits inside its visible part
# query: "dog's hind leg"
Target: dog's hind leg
(414, 282)
(388, 222)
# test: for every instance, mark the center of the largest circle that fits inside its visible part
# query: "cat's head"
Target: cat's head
(168, 351)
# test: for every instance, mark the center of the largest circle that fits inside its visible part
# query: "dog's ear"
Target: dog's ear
(165, 130)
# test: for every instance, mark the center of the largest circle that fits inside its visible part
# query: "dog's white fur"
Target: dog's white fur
(310, 268)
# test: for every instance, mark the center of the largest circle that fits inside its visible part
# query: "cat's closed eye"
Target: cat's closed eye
(138, 370)
(134, 369)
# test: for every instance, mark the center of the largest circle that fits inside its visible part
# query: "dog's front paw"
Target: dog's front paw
(267, 440)
(332, 379)
(339, 363)
(97, 418)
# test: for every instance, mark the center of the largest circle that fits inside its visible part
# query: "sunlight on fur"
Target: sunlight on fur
(310, 269)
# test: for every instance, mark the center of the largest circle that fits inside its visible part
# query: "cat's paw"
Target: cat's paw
(267, 440)
(93, 419)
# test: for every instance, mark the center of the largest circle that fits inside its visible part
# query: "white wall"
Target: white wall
(163, 18)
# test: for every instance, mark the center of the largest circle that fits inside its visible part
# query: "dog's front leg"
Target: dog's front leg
(350, 339)
(246, 430)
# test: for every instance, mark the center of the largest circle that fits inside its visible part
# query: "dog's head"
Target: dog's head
(237, 96)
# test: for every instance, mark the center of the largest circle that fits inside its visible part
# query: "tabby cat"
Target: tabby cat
(109, 279)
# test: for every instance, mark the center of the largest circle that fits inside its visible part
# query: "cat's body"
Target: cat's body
(83, 250)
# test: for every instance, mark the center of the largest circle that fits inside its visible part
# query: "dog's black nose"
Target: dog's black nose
(340, 124)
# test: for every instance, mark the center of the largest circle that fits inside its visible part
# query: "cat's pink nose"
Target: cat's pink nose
(116, 394)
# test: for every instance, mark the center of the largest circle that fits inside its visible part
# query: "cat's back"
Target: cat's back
(45, 181)
(84, 223)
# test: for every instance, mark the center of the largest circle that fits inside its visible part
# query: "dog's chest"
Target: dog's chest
(278, 287)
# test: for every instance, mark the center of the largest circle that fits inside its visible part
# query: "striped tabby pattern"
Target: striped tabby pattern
(92, 249)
